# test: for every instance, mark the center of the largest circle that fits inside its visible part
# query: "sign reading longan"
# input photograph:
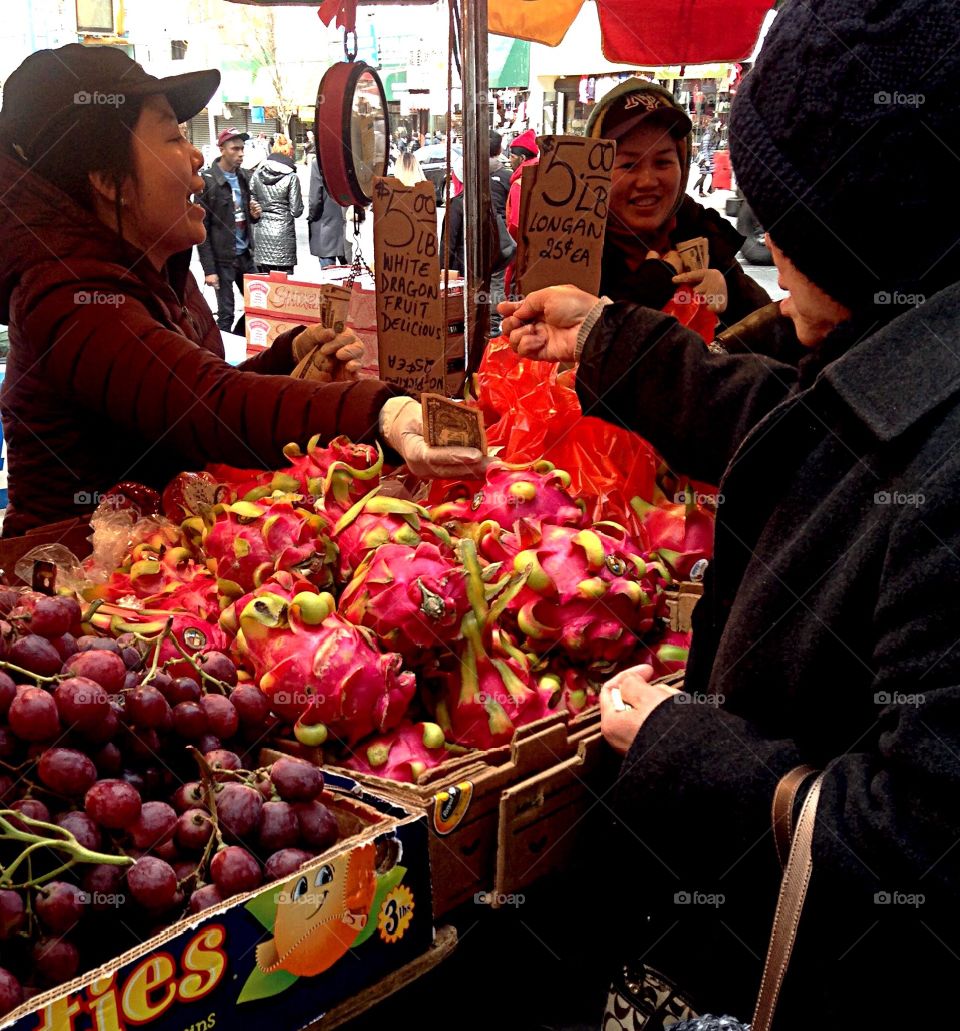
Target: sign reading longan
(563, 213)
(411, 324)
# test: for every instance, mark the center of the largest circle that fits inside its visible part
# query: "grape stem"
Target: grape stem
(156, 641)
(56, 838)
(28, 673)
(206, 779)
(220, 685)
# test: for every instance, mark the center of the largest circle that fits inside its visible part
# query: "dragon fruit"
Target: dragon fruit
(340, 473)
(682, 533)
(530, 491)
(249, 541)
(412, 598)
(317, 668)
(668, 654)
(493, 692)
(587, 590)
(376, 520)
(402, 754)
(573, 688)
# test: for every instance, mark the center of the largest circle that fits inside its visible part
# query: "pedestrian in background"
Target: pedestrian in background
(708, 144)
(499, 190)
(327, 221)
(229, 212)
(408, 169)
(276, 188)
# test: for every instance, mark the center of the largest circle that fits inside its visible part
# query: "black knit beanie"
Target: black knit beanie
(844, 139)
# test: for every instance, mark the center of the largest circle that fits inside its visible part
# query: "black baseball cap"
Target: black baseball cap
(52, 86)
(632, 102)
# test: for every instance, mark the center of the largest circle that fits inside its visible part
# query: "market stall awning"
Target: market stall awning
(658, 32)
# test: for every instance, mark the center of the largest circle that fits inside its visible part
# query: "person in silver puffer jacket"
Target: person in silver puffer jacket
(276, 188)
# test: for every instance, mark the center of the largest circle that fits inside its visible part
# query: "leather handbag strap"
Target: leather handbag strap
(781, 812)
(793, 891)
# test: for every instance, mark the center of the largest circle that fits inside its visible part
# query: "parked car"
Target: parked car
(433, 161)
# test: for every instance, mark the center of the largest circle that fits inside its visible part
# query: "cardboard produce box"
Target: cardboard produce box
(279, 956)
(274, 303)
(463, 798)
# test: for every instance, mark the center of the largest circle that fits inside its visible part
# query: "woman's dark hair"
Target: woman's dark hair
(99, 140)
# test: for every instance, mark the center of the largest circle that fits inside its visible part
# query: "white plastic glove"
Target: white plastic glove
(401, 426)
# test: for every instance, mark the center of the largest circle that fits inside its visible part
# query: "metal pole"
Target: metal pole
(476, 164)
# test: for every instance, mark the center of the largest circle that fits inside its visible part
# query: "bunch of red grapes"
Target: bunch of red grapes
(147, 785)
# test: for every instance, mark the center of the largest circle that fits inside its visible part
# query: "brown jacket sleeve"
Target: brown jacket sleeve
(136, 373)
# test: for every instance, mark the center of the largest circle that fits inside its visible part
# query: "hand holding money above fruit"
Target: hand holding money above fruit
(401, 426)
(545, 323)
(326, 356)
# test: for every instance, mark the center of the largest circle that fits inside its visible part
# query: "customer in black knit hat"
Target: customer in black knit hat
(827, 633)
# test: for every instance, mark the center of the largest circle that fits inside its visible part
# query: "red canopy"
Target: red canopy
(655, 32)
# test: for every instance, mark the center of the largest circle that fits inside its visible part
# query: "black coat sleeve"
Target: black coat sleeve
(205, 249)
(642, 370)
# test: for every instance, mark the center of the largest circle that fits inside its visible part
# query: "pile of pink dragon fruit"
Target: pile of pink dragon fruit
(391, 634)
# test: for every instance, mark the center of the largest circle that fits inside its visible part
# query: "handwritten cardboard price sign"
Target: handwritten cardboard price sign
(563, 213)
(411, 326)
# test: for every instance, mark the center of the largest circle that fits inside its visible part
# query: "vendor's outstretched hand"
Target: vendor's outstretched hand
(626, 701)
(401, 426)
(710, 284)
(544, 324)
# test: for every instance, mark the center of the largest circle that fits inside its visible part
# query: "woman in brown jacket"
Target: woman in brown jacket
(116, 368)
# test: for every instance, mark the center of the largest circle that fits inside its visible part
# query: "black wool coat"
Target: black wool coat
(219, 248)
(829, 634)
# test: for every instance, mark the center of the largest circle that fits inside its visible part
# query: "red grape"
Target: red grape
(188, 796)
(33, 715)
(251, 704)
(132, 658)
(189, 721)
(208, 743)
(141, 745)
(146, 706)
(114, 804)
(55, 960)
(66, 646)
(36, 654)
(318, 826)
(222, 718)
(152, 882)
(238, 809)
(81, 703)
(263, 784)
(12, 913)
(50, 618)
(11, 993)
(285, 862)
(218, 666)
(90, 642)
(82, 828)
(108, 760)
(76, 612)
(9, 743)
(105, 667)
(59, 905)
(102, 884)
(234, 870)
(203, 898)
(31, 807)
(155, 824)
(9, 597)
(295, 780)
(167, 851)
(278, 826)
(104, 731)
(8, 691)
(185, 689)
(66, 771)
(222, 759)
(194, 828)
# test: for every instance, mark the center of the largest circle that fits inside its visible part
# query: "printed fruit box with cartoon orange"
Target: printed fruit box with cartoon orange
(276, 956)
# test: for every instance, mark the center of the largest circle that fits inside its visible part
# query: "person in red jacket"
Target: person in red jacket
(524, 151)
(116, 369)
